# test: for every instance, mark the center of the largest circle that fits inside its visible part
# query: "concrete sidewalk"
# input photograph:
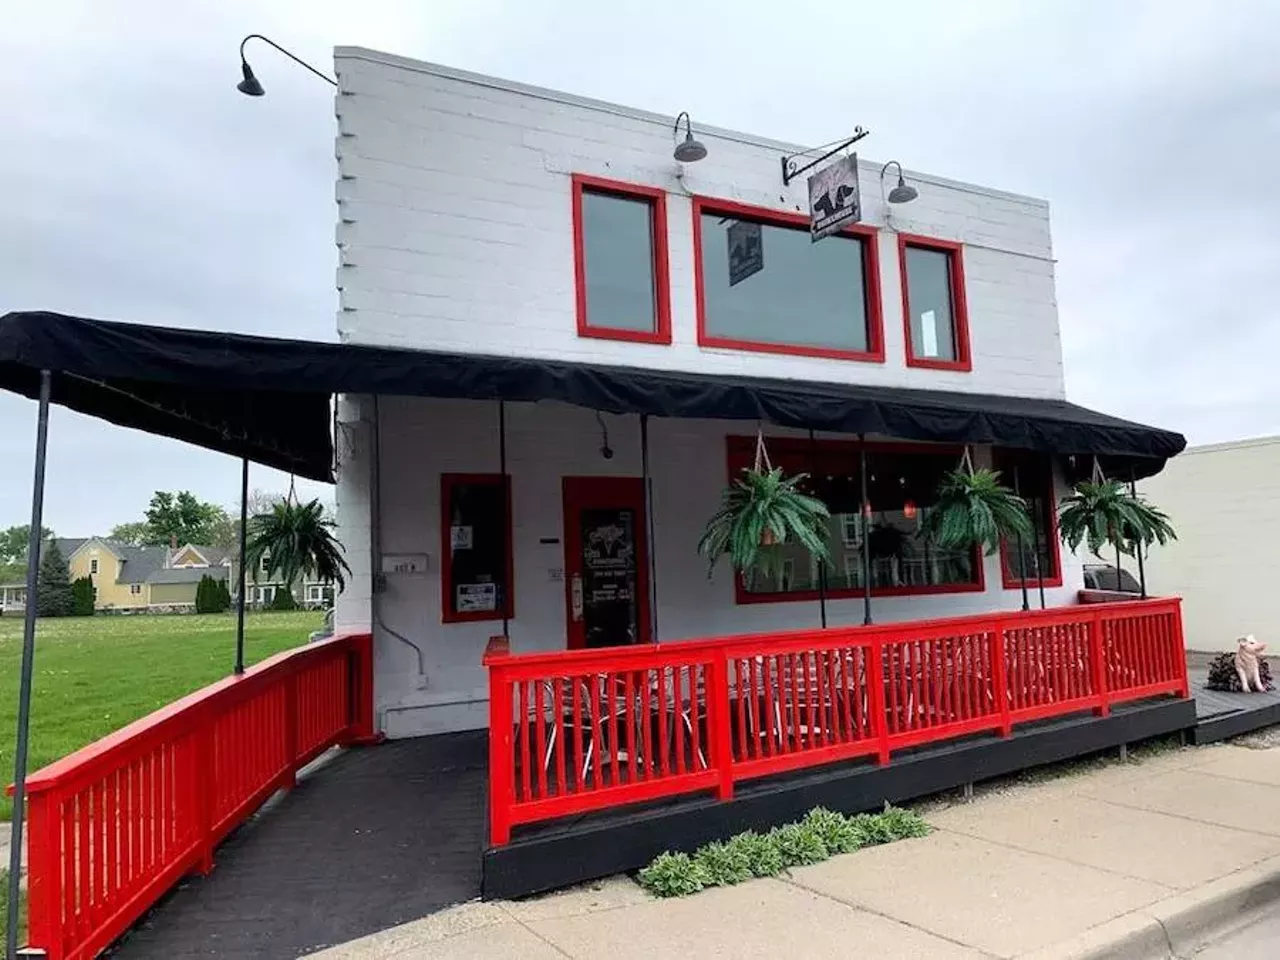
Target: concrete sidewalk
(1123, 855)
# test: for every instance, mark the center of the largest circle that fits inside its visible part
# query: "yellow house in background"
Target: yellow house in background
(130, 578)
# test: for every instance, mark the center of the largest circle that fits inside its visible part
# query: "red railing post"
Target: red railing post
(875, 692)
(501, 751)
(1180, 651)
(360, 660)
(203, 792)
(719, 723)
(44, 873)
(999, 664)
(1097, 656)
(291, 710)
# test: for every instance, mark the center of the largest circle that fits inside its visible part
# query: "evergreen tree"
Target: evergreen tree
(224, 596)
(284, 599)
(53, 584)
(82, 597)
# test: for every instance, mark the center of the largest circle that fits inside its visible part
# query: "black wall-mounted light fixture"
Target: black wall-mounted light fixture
(903, 192)
(250, 86)
(792, 168)
(687, 150)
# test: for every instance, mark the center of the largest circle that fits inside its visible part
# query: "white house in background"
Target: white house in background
(1224, 501)
(486, 218)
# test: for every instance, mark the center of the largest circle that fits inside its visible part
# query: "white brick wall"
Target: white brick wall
(455, 231)
(423, 438)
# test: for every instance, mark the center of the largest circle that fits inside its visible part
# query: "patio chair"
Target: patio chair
(683, 707)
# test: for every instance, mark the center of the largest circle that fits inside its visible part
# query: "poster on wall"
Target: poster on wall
(834, 200)
(476, 597)
(461, 537)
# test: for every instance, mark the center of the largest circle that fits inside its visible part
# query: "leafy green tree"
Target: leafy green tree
(53, 587)
(13, 542)
(184, 518)
(135, 534)
(83, 597)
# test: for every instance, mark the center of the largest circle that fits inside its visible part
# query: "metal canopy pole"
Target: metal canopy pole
(502, 500)
(865, 521)
(1022, 557)
(28, 657)
(1036, 530)
(244, 538)
(652, 592)
(1142, 570)
(822, 566)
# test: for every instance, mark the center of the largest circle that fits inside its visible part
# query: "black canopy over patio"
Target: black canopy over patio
(268, 400)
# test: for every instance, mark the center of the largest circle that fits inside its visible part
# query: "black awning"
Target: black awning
(268, 399)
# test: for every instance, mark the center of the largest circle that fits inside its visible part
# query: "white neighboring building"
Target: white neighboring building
(478, 216)
(1224, 502)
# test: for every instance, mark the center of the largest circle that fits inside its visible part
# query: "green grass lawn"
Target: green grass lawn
(96, 674)
(4, 907)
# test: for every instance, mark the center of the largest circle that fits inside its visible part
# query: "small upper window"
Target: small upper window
(620, 259)
(763, 284)
(93, 565)
(933, 303)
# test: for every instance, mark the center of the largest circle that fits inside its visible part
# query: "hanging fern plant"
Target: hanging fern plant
(1103, 512)
(975, 508)
(296, 538)
(760, 512)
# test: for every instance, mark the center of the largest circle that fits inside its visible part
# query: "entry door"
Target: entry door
(606, 561)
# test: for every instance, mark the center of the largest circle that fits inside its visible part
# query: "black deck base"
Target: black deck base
(561, 854)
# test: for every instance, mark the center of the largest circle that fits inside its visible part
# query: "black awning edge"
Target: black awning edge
(268, 398)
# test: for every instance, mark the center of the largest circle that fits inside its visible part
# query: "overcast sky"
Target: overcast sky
(140, 186)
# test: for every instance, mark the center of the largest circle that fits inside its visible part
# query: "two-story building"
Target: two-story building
(511, 226)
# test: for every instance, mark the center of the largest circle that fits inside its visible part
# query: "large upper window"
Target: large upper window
(933, 303)
(1033, 475)
(763, 284)
(902, 483)
(620, 260)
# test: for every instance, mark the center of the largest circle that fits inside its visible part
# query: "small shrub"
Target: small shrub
(673, 875)
(903, 824)
(871, 829)
(799, 845)
(838, 832)
(759, 852)
(723, 864)
(1223, 676)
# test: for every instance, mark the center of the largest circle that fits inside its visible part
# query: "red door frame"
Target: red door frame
(602, 492)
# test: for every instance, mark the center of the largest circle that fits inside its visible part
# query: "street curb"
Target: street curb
(1178, 925)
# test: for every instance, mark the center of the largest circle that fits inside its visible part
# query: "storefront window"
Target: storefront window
(1035, 483)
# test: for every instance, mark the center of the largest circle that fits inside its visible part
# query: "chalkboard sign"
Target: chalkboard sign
(476, 547)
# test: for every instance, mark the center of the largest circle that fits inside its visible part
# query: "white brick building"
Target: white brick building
(482, 217)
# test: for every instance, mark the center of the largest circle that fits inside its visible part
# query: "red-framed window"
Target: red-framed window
(935, 313)
(902, 483)
(763, 284)
(1035, 483)
(477, 574)
(620, 260)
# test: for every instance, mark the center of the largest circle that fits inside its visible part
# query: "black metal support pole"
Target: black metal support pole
(502, 500)
(822, 567)
(1118, 567)
(1142, 569)
(1036, 529)
(864, 508)
(1022, 557)
(28, 661)
(244, 542)
(652, 593)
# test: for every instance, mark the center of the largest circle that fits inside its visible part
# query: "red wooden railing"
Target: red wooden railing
(114, 825)
(580, 730)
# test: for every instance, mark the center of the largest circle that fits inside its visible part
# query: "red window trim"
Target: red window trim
(447, 482)
(657, 197)
(1009, 577)
(959, 303)
(738, 453)
(870, 271)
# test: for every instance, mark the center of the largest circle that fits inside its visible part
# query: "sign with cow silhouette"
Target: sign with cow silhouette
(834, 200)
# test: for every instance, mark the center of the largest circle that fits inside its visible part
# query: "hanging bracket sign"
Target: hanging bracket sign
(746, 250)
(834, 199)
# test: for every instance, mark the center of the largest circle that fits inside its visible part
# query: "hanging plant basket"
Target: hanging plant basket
(1102, 512)
(760, 512)
(975, 508)
(295, 539)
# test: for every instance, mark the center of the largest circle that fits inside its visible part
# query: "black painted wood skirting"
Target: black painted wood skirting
(561, 854)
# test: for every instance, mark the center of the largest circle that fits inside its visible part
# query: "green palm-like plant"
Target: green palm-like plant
(1101, 512)
(759, 512)
(296, 538)
(974, 507)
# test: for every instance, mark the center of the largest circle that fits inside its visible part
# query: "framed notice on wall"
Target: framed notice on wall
(476, 566)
